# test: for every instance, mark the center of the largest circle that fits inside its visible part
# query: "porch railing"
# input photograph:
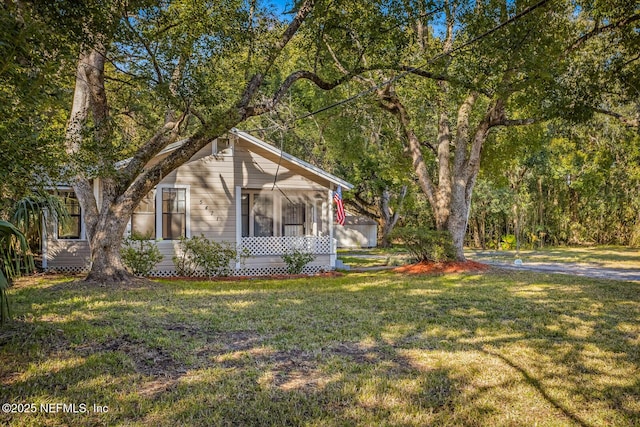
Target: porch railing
(278, 245)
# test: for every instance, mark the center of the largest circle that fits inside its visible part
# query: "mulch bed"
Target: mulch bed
(425, 267)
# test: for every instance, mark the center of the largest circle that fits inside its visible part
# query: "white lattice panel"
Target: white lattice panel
(67, 269)
(250, 271)
(279, 245)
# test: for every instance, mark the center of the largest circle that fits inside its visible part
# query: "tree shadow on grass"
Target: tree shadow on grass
(377, 349)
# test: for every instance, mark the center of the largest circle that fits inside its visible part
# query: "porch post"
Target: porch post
(332, 248)
(238, 223)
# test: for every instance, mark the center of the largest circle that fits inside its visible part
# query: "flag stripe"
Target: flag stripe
(337, 197)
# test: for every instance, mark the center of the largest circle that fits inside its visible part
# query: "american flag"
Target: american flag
(337, 197)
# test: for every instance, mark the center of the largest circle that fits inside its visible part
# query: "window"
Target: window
(223, 146)
(245, 215)
(257, 215)
(293, 218)
(174, 213)
(143, 220)
(262, 215)
(72, 227)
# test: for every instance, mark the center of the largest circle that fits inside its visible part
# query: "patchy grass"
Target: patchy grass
(364, 261)
(491, 349)
(374, 257)
(602, 256)
(395, 250)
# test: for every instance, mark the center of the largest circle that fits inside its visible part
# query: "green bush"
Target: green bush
(296, 260)
(140, 254)
(200, 253)
(426, 244)
(508, 242)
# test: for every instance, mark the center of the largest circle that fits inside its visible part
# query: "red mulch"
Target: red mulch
(425, 267)
(238, 278)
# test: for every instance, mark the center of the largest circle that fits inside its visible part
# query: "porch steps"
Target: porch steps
(341, 265)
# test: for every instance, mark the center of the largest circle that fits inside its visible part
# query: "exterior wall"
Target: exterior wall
(254, 171)
(67, 256)
(356, 235)
(211, 208)
(211, 182)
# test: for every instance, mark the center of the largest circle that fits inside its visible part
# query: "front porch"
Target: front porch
(266, 253)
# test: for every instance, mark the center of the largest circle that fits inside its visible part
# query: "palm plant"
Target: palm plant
(15, 259)
(29, 211)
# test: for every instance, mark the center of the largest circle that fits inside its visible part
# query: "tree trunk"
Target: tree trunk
(476, 233)
(457, 226)
(106, 262)
(389, 218)
(106, 239)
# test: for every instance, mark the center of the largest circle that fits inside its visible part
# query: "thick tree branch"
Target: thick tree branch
(514, 122)
(389, 101)
(144, 43)
(286, 85)
(627, 121)
(257, 79)
(363, 207)
(461, 141)
(164, 136)
(597, 30)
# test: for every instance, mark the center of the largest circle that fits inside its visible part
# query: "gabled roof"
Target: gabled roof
(169, 148)
(292, 159)
(262, 145)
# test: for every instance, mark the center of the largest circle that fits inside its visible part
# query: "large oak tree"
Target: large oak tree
(150, 74)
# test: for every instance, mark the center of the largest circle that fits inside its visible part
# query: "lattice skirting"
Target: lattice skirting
(246, 271)
(67, 269)
(251, 271)
(278, 245)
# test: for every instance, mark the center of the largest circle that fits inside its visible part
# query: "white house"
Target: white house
(238, 189)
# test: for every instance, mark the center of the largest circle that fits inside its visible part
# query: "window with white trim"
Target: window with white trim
(71, 227)
(293, 218)
(174, 213)
(143, 219)
(257, 214)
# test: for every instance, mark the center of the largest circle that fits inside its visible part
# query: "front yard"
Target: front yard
(362, 349)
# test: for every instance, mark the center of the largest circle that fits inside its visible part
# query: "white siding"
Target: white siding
(356, 235)
(211, 181)
(255, 171)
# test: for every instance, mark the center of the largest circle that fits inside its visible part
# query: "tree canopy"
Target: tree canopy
(411, 93)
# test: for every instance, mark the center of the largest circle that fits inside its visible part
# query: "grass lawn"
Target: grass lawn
(490, 349)
(374, 257)
(602, 256)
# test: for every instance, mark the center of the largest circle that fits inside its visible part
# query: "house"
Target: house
(357, 232)
(238, 189)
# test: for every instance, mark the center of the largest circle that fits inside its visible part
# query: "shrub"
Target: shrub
(140, 254)
(296, 260)
(200, 253)
(508, 242)
(185, 258)
(426, 244)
